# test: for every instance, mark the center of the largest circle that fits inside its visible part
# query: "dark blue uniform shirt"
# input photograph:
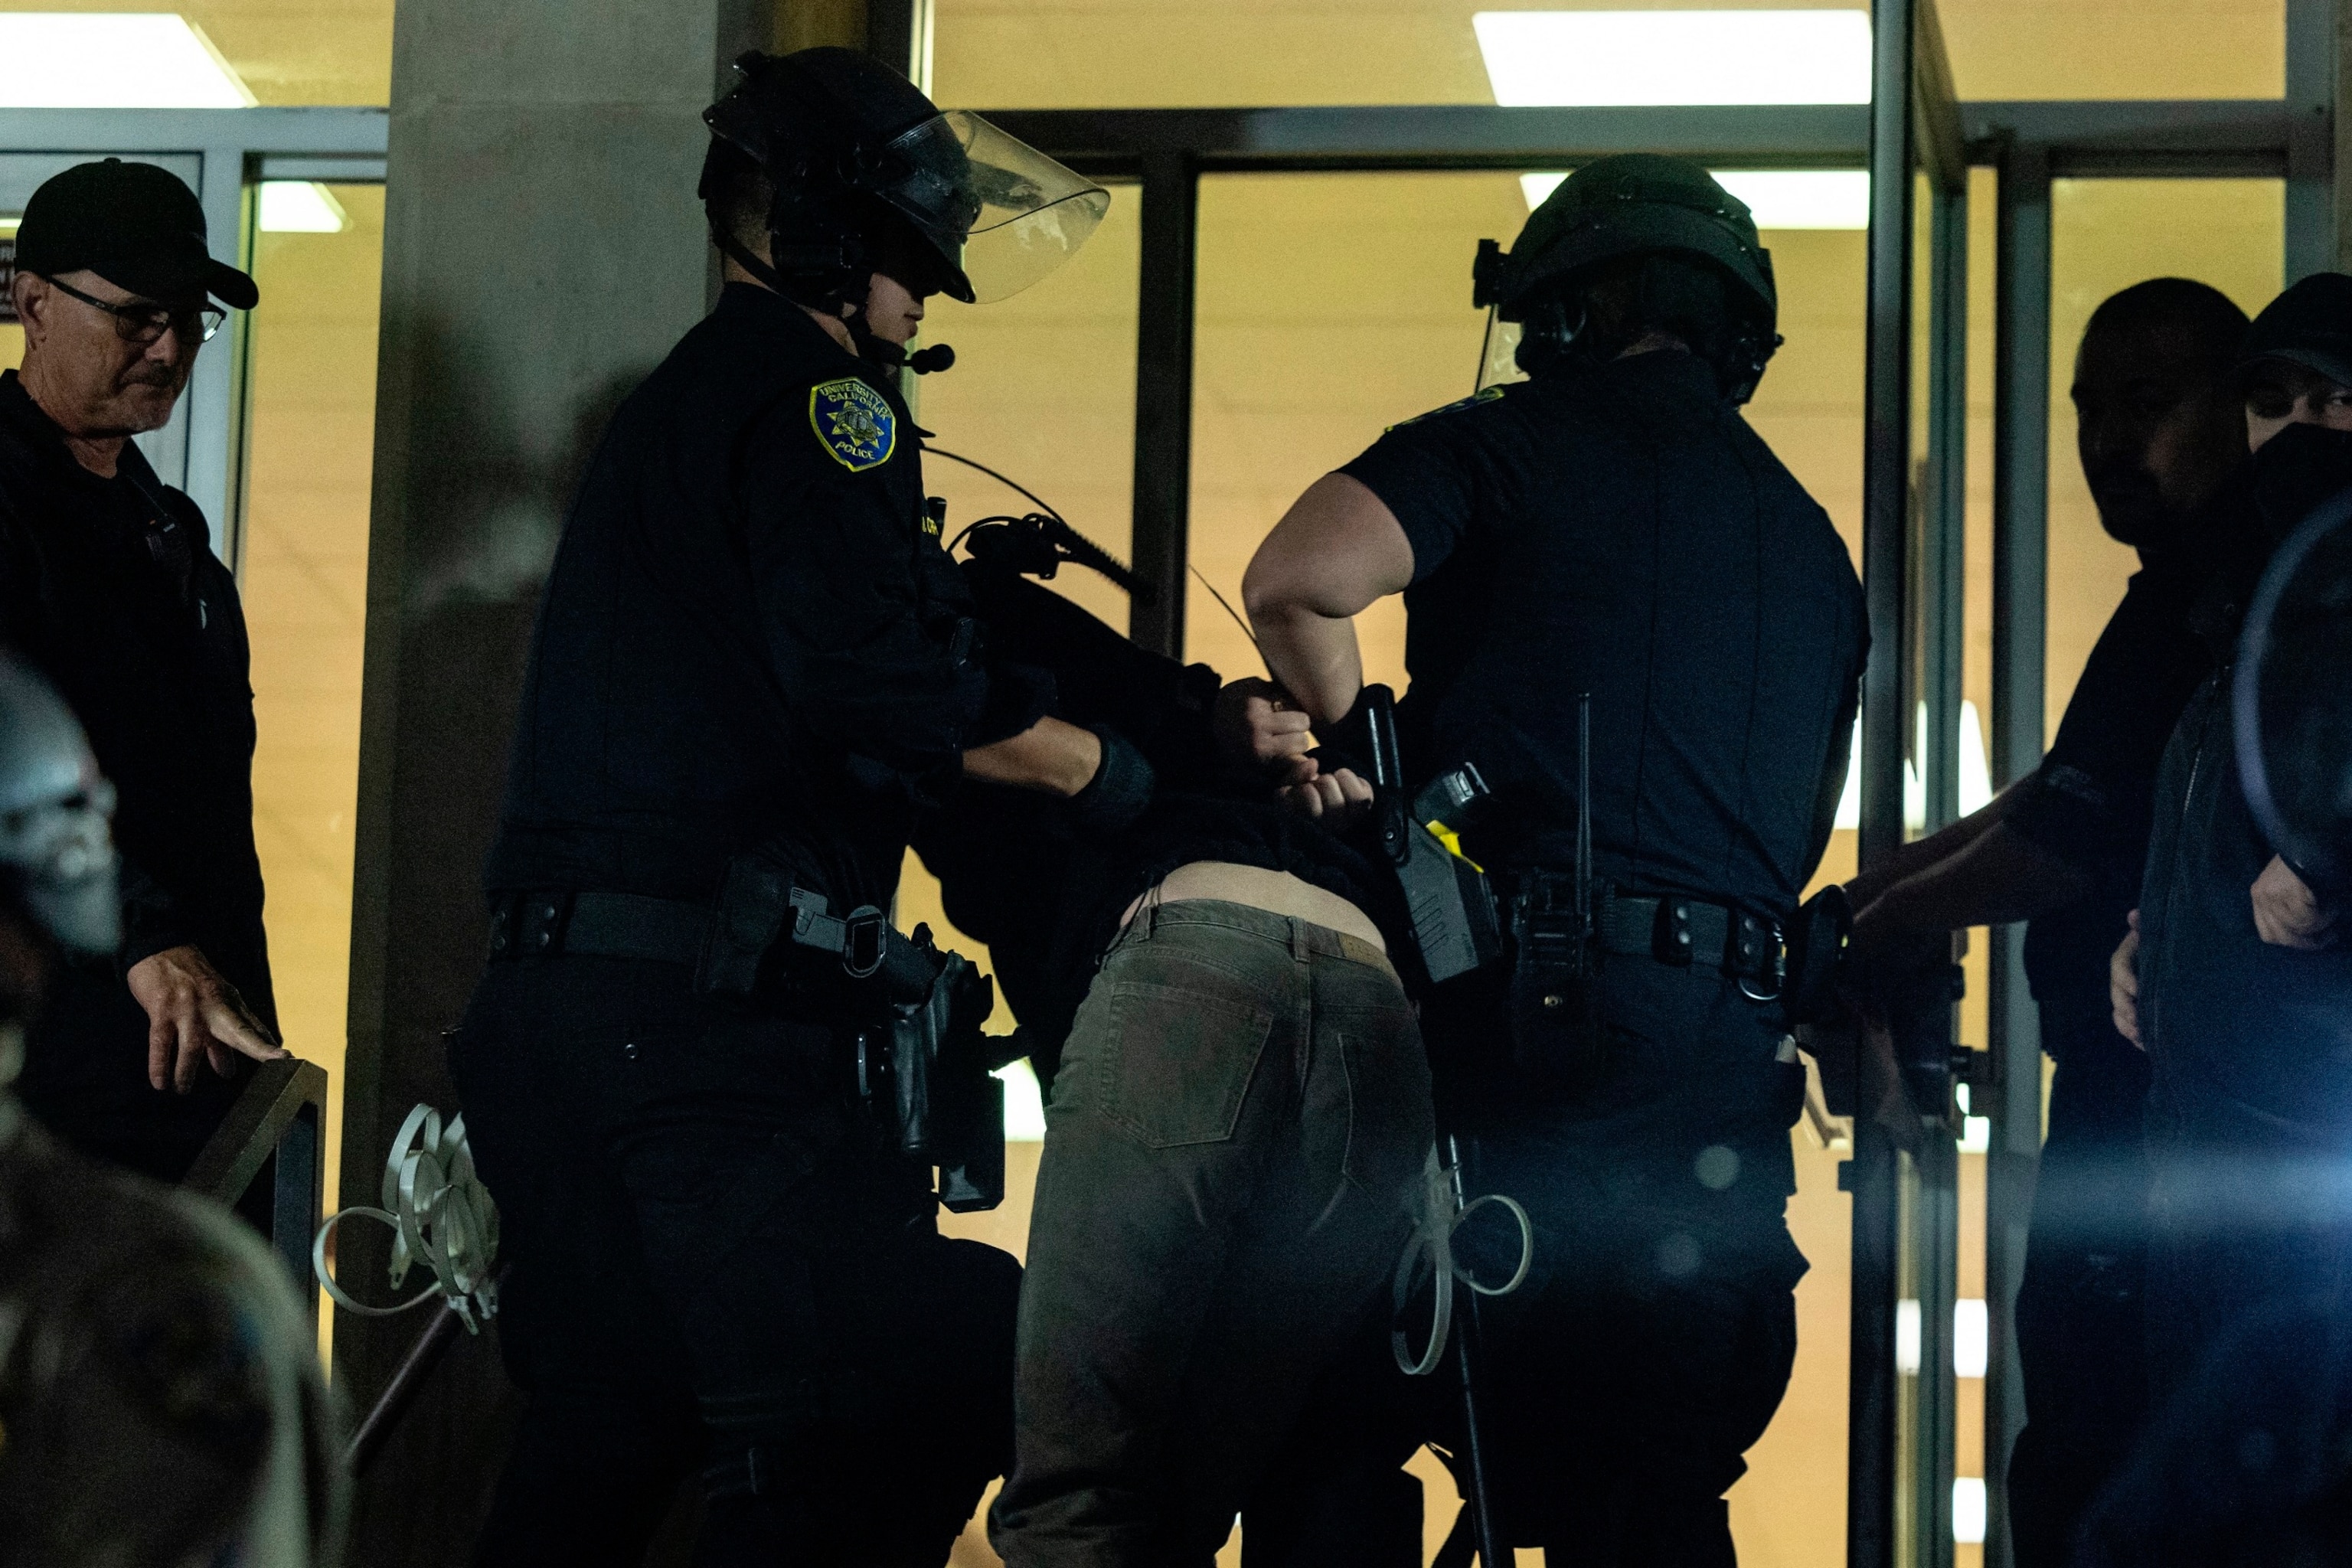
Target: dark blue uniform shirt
(1622, 532)
(752, 637)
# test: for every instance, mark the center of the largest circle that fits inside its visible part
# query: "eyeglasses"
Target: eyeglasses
(144, 325)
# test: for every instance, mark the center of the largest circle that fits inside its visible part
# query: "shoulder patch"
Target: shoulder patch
(1487, 395)
(855, 422)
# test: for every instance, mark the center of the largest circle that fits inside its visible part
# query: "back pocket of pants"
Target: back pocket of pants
(1179, 1062)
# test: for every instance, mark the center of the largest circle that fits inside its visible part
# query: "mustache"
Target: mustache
(167, 378)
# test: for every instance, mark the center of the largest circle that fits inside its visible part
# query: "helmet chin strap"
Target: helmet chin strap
(880, 350)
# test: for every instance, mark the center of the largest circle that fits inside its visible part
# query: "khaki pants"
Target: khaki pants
(1237, 1133)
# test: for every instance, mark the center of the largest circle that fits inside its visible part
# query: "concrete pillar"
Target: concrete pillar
(542, 251)
(2341, 59)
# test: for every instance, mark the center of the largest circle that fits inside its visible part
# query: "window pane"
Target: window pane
(1094, 53)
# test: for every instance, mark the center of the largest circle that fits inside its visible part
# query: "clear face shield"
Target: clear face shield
(1008, 214)
(1498, 362)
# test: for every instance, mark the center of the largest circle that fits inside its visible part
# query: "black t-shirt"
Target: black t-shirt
(2089, 801)
(110, 589)
(1621, 532)
(753, 635)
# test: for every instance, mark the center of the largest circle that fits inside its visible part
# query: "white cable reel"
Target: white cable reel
(441, 1215)
(1442, 1213)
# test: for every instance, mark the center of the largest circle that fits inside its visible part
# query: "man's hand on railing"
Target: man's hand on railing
(194, 1014)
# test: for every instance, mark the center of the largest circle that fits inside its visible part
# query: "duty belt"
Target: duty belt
(1683, 931)
(723, 943)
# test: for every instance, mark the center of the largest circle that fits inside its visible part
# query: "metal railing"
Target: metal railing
(279, 1122)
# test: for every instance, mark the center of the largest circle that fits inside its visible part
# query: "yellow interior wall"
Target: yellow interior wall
(310, 451)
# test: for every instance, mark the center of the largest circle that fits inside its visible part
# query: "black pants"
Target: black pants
(2246, 1455)
(2080, 1315)
(1653, 1340)
(86, 1080)
(715, 1262)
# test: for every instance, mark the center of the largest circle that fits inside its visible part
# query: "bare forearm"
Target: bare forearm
(1920, 854)
(1313, 656)
(1051, 755)
(1999, 876)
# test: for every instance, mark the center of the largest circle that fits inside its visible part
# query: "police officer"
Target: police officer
(1612, 527)
(753, 667)
(2161, 433)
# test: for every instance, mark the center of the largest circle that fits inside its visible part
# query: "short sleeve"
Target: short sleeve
(2091, 799)
(1424, 471)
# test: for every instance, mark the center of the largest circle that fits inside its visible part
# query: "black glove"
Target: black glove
(1119, 790)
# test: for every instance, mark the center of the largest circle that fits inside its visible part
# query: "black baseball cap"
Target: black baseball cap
(2310, 324)
(138, 226)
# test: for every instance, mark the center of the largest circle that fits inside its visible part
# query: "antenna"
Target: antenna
(1583, 827)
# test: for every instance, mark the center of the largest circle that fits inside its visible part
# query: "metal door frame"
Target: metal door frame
(236, 150)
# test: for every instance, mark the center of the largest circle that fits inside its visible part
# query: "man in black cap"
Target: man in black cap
(2160, 429)
(2244, 1008)
(109, 587)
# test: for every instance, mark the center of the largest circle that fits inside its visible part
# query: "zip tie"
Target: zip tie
(1443, 1214)
(440, 1216)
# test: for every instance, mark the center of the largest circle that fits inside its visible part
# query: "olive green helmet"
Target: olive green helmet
(1637, 204)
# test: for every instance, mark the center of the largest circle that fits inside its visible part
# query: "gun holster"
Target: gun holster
(945, 1104)
(1815, 941)
(1454, 925)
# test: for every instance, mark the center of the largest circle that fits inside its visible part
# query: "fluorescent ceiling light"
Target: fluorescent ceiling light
(1630, 57)
(1779, 198)
(69, 60)
(1968, 1510)
(300, 206)
(1972, 1337)
(1906, 1337)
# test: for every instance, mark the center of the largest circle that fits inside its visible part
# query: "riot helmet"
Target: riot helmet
(57, 850)
(862, 163)
(1666, 239)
